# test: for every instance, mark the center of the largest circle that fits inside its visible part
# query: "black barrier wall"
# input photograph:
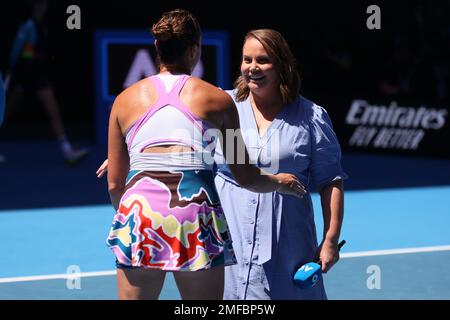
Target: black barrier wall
(391, 126)
(384, 82)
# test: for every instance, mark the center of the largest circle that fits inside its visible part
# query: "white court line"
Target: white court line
(67, 276)
(393, 251)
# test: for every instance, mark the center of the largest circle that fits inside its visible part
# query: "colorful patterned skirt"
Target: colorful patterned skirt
(171, 221)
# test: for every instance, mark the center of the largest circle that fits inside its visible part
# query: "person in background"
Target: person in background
(29, 73)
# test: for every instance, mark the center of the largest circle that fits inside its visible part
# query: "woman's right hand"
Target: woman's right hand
(289, 184)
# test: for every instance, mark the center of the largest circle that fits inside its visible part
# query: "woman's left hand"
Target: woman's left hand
(328, 253)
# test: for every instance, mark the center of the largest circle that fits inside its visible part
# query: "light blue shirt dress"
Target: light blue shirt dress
(274, 234)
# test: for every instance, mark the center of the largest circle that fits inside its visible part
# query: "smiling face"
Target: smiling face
(268, 68)
(257, 68)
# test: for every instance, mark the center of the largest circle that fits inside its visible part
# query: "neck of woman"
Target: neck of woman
(269, 103)
(178, 69)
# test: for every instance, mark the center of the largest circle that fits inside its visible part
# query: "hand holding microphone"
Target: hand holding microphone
(310, 273)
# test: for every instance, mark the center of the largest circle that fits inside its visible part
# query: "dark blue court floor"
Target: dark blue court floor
(37, 168)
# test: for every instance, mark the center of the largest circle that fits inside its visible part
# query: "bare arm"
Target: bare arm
(118, 159)
(248, 175)
(225, 117)
(332, 200)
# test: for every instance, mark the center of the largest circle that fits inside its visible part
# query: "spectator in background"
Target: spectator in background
(29, 73)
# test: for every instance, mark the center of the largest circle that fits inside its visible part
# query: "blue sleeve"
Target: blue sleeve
(2, 99)
(326, 163)
(25, 33)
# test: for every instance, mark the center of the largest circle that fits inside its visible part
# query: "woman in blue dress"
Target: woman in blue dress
(273, 234)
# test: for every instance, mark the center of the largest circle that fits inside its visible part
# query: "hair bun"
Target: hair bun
(163, 31)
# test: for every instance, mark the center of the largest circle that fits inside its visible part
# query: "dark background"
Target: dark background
(337, 55)
(338, 59)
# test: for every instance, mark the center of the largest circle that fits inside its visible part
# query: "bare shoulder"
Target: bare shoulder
(136, 94)
(132, 102)
(210, 95)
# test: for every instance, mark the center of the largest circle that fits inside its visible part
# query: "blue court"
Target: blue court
(396, 223)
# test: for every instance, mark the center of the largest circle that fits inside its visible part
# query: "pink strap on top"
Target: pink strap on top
(165, 99)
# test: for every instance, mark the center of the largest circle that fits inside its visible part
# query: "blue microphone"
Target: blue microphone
(310, 273)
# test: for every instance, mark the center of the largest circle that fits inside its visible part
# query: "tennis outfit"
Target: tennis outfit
(170, 217)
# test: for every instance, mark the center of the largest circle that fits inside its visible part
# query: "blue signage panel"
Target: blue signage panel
(124, 57)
